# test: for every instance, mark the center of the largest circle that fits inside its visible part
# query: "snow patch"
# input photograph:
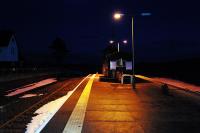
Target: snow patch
(26, 88)
(176, 83)
(31, 95)
(179, 84)
(47, 111)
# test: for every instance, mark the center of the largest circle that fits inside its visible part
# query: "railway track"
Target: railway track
(17, 123)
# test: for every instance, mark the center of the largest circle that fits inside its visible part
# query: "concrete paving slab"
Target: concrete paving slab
(108, 111)
(116, 108)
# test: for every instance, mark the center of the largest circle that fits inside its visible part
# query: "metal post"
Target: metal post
(118, 47)
(120, 60)
(133, 54)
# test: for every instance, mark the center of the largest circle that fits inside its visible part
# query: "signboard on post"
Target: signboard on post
(113, 65)
(128, 65)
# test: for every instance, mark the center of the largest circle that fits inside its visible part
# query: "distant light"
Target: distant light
(111, 41)
(117, 16)
(125, 41)
(146, 14)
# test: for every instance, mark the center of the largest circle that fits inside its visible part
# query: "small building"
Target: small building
(116, 65)
(8, 47)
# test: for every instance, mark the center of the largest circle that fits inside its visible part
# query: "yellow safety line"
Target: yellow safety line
(75, 122)
(145, 78)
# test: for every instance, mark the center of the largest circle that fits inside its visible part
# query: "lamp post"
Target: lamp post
(133, 53)
(118, 43)
(117, 16)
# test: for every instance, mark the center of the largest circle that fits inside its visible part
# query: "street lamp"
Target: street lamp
(118, 16)
(118, 43)
(125, 42)
(111, 41)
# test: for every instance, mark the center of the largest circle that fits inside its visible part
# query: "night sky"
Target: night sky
(171, 33)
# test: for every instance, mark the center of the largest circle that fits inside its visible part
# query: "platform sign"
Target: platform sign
(113, 65)
(128, 65)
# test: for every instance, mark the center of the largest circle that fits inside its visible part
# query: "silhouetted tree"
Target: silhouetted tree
(59, 50)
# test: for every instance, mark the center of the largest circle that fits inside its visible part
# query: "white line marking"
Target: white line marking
(75, 122)
(45, 122)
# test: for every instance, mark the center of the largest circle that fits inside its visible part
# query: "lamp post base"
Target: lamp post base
(133, 83)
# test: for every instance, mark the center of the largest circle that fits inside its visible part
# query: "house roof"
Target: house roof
(5, 37)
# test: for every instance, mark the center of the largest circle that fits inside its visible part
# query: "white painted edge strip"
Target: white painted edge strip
(75, 122)
(50, 117)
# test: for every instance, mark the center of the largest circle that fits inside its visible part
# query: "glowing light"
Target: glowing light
(117, 16)
(125, 41)
(111, 41)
